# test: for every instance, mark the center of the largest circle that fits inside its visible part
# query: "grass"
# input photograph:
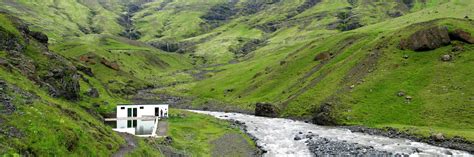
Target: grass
(52, 126)
(441, 93)
(193, 133)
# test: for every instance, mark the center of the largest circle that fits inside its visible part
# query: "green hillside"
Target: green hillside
(336, 62)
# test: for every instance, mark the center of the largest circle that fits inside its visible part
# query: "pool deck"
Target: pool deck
(162, 130)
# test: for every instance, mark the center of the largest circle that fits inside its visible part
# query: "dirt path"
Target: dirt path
(131, 144)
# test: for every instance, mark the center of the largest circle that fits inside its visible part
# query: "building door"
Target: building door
(157, 111)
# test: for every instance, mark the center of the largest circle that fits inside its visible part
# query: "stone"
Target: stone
(427, 39)
(93, 92)
(111, 65)
(322, 56)
(297, 138)
(323, 115)
(446, 58)
(457, 48)
(438, 137)
(39, 36)
(447, 152)
(401, 94)
(406, 56)
(266, 110)
(461, 35)
(168, 140)
(85, 70)
(62, 82)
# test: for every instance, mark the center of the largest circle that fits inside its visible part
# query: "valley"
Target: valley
(401, 67)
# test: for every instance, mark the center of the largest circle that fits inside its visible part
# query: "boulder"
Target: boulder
(62, 82)
(461, 35)
(41, 37)
(446, 58)
(438, 137)
(427, 39)
(85, 70)
(266, 110)
(297, 138)
(323, 115)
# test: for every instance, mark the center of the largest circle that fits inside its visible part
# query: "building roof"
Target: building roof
(139, 104)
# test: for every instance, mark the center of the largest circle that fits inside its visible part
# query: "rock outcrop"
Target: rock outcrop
(63, 82)
(49, 70)
(266, 110)
(6, 106)
(461, 35)
(323, 115)
(42, 38)
(427, 39)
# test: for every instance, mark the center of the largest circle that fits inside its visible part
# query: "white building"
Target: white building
(148, 110)
(140, 120)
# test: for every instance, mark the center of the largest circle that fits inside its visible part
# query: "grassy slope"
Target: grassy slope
(49, 126)
(71, 16)
(441, 102)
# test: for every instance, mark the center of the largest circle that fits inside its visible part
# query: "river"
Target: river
(277, 137)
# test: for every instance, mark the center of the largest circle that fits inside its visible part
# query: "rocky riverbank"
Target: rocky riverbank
(458, 143)
(286, 137)
(259, 151)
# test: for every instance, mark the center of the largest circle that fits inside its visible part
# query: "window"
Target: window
(123, 108)
(141, 107)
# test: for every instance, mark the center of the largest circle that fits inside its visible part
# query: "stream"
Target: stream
(285, 137)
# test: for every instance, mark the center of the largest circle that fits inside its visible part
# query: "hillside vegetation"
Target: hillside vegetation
(336, 62)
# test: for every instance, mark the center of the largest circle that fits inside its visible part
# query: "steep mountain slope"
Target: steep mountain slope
(40, 114)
